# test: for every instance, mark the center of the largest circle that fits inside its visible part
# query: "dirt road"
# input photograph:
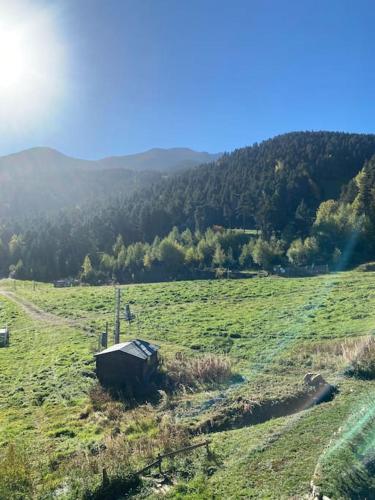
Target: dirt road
(37, 313)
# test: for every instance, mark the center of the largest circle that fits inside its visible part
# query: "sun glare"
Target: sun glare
(31, 64)
(15, 64)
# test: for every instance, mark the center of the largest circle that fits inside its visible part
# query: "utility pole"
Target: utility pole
(117, 316)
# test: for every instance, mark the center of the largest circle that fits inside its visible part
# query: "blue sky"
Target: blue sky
(210, 75)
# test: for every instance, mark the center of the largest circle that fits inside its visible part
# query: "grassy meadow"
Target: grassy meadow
(274, 330)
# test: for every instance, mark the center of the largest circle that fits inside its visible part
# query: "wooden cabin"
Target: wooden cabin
(4, 337)
(130, 365)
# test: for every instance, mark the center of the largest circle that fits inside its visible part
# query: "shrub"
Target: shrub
(360, 357)
(268, 253)
(303, 252)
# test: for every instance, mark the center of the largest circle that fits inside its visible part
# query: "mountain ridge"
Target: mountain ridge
(276, 187)
(155, 159)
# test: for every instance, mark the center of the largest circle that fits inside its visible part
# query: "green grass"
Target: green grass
(45, 374)
(248, 318)
(274, 329)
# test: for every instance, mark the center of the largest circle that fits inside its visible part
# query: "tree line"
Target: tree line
(309, 195)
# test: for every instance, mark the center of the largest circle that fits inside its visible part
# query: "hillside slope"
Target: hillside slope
(275, 186)
(62, 430)
(42, 179)
(163, 160)
(271, 185)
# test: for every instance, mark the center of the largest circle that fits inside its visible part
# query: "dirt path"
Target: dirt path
(37, 313)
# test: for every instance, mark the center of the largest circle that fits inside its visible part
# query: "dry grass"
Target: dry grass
(99, 397)
(353, 355)
(15, 474)
(123, 454)
(360, 357)
(193, 373)
(327, 356)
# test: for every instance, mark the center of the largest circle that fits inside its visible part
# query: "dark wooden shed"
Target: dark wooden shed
(130, 365)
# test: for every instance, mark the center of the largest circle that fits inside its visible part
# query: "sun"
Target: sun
(32, 63)
(15, 60)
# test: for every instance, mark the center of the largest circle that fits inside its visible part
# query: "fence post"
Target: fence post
(105, 477)
(207, 448)
(160, 460)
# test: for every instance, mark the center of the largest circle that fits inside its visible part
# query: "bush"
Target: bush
(268, 253)
(360, 357)
(303, 252)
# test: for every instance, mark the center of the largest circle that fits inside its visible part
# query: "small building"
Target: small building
(130, 365)
(67, 282)
(4, 337)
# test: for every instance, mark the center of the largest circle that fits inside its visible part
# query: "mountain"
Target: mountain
(157, 159)
(41, 159)
(276, 185)
(160, 159)
(43, 179)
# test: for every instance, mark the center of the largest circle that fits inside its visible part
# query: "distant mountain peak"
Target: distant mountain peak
(160, 159)
(155, 159)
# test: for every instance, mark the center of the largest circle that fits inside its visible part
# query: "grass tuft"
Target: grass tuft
(193, 373)
(360, 357)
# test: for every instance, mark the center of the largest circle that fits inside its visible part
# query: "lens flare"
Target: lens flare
(32, 64)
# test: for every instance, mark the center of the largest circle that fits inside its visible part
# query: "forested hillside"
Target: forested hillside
(276, 185)
(308, 193)
(41, 180)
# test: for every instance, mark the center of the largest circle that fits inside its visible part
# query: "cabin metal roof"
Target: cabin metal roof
(138, 348)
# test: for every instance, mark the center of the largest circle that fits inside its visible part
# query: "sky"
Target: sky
(123, 76)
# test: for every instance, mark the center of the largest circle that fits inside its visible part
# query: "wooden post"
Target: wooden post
(117, 316)
(105, 477)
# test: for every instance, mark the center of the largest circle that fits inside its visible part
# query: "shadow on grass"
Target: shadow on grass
(243, 412)
(115, 487)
